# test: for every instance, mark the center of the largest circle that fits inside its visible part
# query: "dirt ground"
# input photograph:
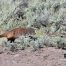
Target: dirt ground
(47, 56)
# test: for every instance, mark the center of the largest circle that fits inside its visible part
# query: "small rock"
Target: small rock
(1, 52)
(64, 53)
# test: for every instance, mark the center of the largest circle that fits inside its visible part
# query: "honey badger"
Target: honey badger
(15, 33)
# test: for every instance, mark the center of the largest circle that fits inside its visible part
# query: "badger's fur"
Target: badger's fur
(15, 33)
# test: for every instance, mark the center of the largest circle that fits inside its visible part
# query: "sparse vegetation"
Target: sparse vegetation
(46, 16)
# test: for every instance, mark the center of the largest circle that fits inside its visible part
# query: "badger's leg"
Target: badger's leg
(11, 39)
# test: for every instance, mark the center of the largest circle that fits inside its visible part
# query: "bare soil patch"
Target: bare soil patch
(48, 56)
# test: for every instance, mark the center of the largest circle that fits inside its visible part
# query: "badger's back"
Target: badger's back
(23, 31)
